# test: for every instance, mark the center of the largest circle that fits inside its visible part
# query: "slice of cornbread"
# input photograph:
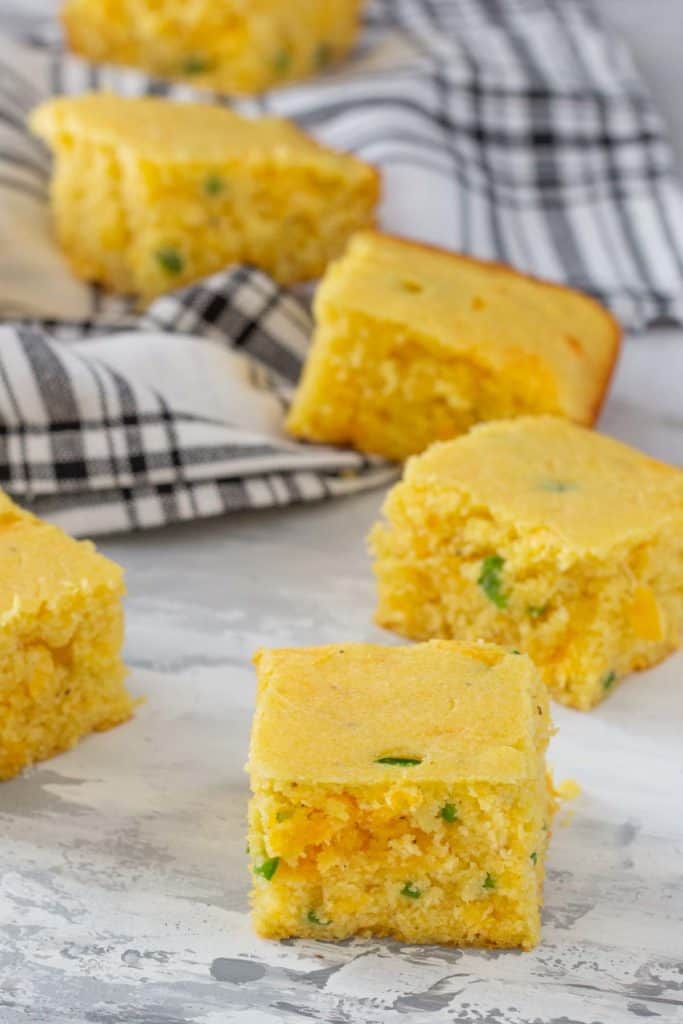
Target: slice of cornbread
(414, 345)
(61, 630)
(236, 46)
(542, 535)
(399, 792)
(150, 194)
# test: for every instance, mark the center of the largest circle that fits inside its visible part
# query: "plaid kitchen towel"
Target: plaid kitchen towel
(510, 129)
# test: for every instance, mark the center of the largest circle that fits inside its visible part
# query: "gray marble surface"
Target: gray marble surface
(123, 878)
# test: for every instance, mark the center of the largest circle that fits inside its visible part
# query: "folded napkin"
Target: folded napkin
(510, 129)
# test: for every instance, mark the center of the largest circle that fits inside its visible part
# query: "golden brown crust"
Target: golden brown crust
(611, 365)
(494, 265)
(378, 184)
(69, 30)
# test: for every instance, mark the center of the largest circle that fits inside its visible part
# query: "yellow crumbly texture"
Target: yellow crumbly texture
(234, 46)
(148, 194)
(415, 345)
(542, 535)
(449, 848)
(61, 630)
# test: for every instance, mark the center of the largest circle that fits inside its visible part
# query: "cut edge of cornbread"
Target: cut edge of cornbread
(272, 49)
(447, 565)
(159, 212)
(389, 385)
(61, 674)
(415, 859)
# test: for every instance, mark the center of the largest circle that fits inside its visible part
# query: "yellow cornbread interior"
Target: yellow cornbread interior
(61, 630)
(544, 536)
(148, 194)
(415, 345)
(399, 792)
(238, 46)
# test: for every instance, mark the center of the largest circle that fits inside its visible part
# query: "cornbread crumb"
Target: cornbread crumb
(399, 792)
(565, 792)
(415, 345)
(235, 46)
(568, 789)
(546, 537)
(149, 195)
(61, 630)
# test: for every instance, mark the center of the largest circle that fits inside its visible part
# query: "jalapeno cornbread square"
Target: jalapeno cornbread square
(61, 631)
(399, 792)
(415, 345)
(234, 46)
(149, 194)
(543, 535)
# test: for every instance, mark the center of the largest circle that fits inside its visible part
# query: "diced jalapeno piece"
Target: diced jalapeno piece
(312, 917)
(267, 868)
(213, 185)
(195, 64)
(557, 486)
(170, 260)
(323, 55)
(282, 62)
(609, 680)
(449, 813)
(490, 580)
(405, 761)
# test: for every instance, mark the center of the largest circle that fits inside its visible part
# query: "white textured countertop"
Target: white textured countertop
(123, 877)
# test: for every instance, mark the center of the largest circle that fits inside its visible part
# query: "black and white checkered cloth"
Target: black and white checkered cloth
(510, 129)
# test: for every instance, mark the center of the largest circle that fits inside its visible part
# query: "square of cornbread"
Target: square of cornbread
(235, 46)
(415, 344)
(399, 792)
(542, 535)
(149, 194)
(61, 630)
